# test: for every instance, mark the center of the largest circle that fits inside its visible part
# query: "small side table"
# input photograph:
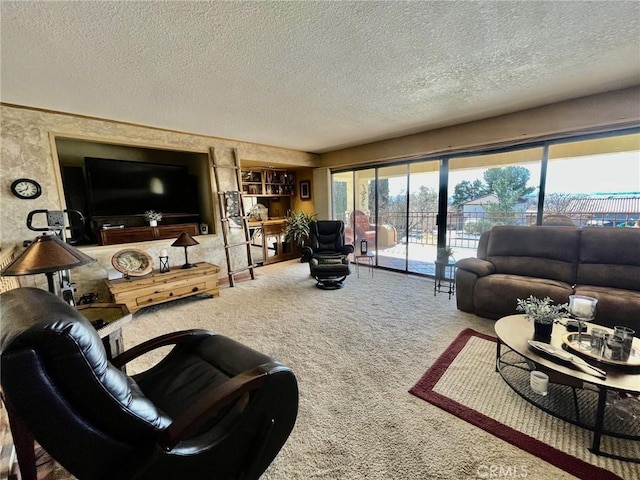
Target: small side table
(445, 277)
(361, 257)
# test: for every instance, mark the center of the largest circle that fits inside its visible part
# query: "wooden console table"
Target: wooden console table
(274, 246)
(156, 287)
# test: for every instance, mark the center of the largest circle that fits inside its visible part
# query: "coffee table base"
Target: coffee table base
(586, 409)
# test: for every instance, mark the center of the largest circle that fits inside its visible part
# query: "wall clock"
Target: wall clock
(26, 188)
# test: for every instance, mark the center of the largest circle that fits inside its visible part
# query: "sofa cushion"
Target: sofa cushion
(615, 306)
(610, 257)
(542, 252)
(495, 295)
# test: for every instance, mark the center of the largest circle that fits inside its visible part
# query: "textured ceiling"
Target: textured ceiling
(312, 76)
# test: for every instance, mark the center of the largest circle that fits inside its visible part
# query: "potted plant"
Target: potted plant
(445, 253)
(542, 312)
(297, 227)
(153, 217)
(443, 257)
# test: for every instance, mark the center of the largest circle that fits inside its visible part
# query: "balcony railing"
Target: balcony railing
(464, 228)
(415, 250)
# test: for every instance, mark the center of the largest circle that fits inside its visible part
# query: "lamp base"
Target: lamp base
(187, 265)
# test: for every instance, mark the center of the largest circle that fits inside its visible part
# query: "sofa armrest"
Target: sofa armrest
(480, 267)
(469, 270)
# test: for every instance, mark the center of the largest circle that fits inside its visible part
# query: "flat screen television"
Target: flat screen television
(121, 188)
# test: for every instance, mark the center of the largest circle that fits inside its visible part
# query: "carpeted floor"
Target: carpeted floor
(356, 353)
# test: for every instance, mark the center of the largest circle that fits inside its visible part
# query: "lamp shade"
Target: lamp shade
(47, 254)
(185, 240)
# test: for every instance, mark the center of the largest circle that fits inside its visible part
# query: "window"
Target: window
(593, 181)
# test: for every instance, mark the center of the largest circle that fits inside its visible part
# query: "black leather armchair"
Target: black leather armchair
(211, 408)
(326, 239)
(327, 253)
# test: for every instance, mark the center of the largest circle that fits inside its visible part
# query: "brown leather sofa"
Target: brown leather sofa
(515, 262)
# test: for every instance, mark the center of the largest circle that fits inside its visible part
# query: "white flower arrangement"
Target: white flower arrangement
(541, 310)
(151, 215)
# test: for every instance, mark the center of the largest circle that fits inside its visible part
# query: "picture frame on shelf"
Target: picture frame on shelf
(305, 190)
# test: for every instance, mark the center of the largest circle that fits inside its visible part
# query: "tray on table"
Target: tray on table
(570, 340)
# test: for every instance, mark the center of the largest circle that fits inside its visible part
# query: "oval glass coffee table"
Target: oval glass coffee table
(573, 395)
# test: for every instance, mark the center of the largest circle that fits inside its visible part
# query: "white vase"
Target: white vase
(153, 223)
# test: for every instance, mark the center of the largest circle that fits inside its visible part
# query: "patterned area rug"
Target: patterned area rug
(463, 381)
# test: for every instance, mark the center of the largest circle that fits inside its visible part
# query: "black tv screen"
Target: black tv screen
(120, 187)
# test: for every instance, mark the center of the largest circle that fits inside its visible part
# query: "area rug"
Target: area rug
(463, 382)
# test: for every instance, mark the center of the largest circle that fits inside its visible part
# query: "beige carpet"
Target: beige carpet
(356, 352)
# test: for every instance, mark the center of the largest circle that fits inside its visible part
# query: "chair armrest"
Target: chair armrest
(173, 338)
(480, 267)
(306, 253)
(347, 249)
(210, 404)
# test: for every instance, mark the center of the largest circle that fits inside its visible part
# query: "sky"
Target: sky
(609, 173)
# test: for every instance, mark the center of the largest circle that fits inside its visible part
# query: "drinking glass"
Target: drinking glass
(625, 336)
(597, 340)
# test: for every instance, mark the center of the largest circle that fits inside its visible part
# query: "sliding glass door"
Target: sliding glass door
(407, 210)
(594, 182)
(422, 235)
(489, 190)
(342, 189)
(391, 228)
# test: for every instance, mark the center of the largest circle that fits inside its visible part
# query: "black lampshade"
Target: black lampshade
(185, 240)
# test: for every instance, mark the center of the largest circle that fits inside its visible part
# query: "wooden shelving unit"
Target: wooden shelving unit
(268, 182)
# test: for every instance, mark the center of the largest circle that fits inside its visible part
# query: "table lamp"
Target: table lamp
(185, 240)
(47, 254)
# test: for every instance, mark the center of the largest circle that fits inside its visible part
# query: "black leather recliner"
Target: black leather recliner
(327, 253)
(211, 408)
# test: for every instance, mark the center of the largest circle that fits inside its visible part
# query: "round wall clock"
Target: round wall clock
(26, 188)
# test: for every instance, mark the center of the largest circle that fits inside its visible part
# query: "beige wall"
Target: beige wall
(28, 150)
(606, 111)
(322, 193)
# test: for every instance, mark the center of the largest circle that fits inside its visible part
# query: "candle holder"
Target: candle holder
(363, 246)
(583, 309)
(164, 264)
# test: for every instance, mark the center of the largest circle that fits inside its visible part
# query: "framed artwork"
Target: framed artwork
(305, 190)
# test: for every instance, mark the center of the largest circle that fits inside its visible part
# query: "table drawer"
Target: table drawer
(163, 296)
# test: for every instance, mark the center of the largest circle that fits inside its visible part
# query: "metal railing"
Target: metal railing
(464, 228)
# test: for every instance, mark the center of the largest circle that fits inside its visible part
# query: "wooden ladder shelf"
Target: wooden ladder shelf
(232, 214)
